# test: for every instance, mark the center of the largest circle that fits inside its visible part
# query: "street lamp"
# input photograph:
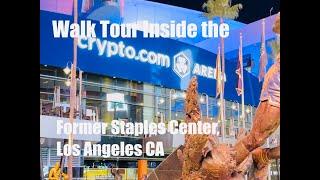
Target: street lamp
(161, 101)
(158, 101)
(233, 106)
(68, 82)
(171, 96)
(220, 104)
(184, 95)
(174, 96)
(207, 103)
(201, 99)
(247, 110)
(67, 71)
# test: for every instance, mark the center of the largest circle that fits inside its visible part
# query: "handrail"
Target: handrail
(97, 99)
(113, 87)
(128, 103)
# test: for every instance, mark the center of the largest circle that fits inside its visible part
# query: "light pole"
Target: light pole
(170, 99)
(248, 111)
(220, 104)
(207, 103)
(73, 88)
(239, 119)
(242, 85)
(73, 106)
(157, 103)
(67, 71)
(233, 107)
(80, 93)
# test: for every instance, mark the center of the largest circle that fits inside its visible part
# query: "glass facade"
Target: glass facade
(107, 98)
(113, 98)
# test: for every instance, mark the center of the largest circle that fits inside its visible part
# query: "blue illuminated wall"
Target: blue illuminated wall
(254, 52)
(57, 52)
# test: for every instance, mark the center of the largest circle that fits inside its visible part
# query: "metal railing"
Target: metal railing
(47, 108)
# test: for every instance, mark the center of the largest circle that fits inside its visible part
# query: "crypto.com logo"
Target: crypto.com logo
(181, 65)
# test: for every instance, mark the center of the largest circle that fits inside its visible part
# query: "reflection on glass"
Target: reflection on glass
(115, 98)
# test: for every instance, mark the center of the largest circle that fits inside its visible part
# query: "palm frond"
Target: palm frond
(204, 6)
(232, 12)
(221, 8)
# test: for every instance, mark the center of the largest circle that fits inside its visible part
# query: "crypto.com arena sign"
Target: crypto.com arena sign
(181, 62)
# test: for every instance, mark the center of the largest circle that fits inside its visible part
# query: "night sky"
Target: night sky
(252, 10)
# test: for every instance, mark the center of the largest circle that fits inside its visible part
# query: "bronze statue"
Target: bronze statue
(204, 158)
(219, 161)
(266, 120)
(56, 172)
(192, 153)
(261, 160)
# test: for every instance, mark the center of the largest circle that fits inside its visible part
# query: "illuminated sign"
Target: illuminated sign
(181, 65)
(181, 62)
(109, 49)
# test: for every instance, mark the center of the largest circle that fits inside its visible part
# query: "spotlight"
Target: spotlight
(161, 101)
(42, 140)
(248, 110)
(219, 103)
(233, 106)
(67, 70)
(174, 96)
(68, 82)
(201, 99)
(176, 114)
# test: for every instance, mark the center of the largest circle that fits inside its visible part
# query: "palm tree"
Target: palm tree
(221, 9)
